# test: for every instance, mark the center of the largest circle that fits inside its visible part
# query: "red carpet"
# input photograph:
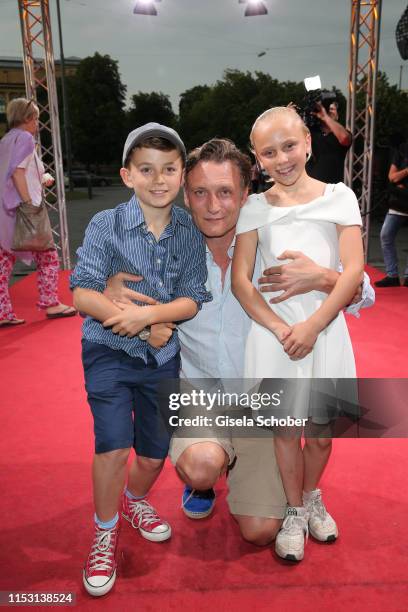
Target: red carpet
(47, 508)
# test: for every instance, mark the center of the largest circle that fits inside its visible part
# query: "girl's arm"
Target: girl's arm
(352, 257)
(241, 283)
(304, 335)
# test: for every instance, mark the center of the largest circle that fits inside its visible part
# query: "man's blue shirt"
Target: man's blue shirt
(174, 266)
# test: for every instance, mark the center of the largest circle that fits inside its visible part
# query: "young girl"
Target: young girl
(304, 336)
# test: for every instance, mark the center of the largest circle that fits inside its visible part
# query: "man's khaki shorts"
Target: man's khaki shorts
(254, 482)
(179, 445)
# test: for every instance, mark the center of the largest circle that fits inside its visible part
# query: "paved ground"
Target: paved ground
(79, 213)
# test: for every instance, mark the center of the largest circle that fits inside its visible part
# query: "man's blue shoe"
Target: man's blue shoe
(198, 504)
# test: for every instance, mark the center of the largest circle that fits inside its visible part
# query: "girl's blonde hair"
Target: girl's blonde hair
(21, 110)
(274, 112)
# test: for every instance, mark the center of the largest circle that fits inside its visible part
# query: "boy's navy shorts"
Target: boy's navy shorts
(123, 393)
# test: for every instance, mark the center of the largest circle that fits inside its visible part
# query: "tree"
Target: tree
(195, 122)
(96, 98)
(391, 111)
(229, 108)
(146, 107)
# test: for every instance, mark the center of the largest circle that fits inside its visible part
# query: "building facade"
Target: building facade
(12, 84)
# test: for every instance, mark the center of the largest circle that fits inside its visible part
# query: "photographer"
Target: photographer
(330, 143)
(396, 218)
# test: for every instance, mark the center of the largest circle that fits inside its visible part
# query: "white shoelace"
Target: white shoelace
(142, 512)
(292, 523)
(316, 505)
(101, 556)
(183, 503)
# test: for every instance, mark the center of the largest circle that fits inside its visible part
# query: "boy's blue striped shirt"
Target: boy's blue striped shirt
(117, 240)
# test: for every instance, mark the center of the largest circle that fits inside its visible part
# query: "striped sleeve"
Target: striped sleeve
(94, 256)
(192, 281)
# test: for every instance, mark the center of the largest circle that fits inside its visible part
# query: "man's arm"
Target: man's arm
(116, 290)
(340, 132)
(395, 175)
(302, 275)
(188, 295)
(94, 304)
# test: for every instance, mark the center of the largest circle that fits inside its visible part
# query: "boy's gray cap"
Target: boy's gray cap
(151, 130)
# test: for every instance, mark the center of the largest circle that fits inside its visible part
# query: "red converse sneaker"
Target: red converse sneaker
(144, 517)
(100, 569)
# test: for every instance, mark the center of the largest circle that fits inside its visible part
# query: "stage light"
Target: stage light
(255, 7)
(145, 7)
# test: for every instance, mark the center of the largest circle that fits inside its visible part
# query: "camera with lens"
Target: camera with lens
(310, 105)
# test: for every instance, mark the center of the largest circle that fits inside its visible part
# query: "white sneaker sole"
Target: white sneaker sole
(289, 556)
(332, 537)
(152, 537)
(101, 590)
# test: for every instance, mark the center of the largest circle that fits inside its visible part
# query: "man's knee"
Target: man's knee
(258, 530)
(200, 465)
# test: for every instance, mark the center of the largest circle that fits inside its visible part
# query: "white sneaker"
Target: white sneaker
(290, 541)
(322, 526)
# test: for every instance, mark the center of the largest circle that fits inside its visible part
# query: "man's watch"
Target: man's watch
(144, 333)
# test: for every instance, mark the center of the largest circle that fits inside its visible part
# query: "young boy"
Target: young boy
(124, 358)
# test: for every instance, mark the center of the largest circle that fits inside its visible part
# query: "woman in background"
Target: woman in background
(21, 180)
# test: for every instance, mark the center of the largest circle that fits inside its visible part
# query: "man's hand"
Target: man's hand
(116, 290)
(358, 296)
(322, 113)
(301, 275)
(160, 334)
(130, 321)
(301, 340)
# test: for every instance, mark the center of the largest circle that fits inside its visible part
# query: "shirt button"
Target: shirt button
(159, 261)
(160, 284)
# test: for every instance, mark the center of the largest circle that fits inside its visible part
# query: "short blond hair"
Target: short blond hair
(274, 112)
(21, 110)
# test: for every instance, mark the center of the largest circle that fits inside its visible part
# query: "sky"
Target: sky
(192, 42)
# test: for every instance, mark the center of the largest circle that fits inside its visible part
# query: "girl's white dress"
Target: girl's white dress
(311, 229)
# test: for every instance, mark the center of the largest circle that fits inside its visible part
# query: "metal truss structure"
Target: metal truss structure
(364, 49)
(40, 82)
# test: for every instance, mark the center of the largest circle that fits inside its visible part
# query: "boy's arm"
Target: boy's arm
(189, 294)
(132, 318)
(88, 279)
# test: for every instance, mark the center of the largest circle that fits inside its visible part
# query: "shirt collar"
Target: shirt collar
(134, 216)
(230, 250)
